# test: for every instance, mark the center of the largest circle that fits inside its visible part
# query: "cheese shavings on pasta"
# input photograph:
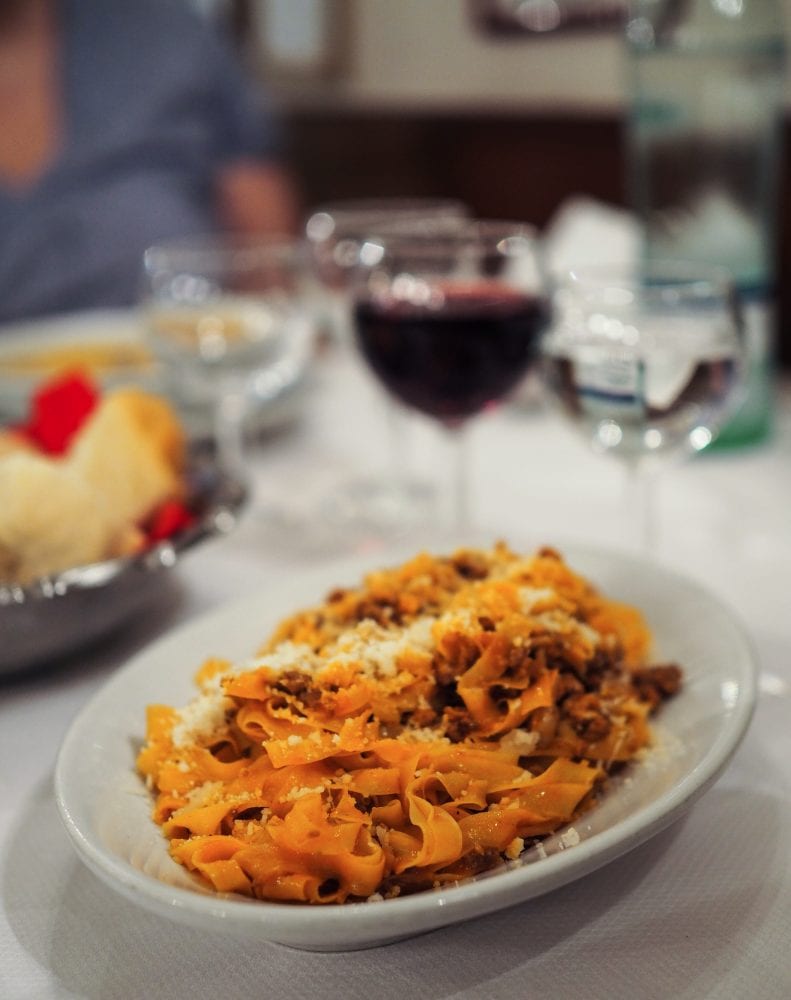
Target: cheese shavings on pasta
(408, 733)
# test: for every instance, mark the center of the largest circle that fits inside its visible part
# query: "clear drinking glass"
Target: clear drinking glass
(647, 365)
(448, 321)
(226, 316)
(336, 231)
(394, 500)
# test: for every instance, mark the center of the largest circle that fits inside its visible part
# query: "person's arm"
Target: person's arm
(259, 197)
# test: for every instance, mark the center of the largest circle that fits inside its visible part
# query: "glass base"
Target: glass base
(358, 516)
(381, 506)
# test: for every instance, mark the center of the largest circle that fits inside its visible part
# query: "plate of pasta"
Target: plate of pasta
(361, 754)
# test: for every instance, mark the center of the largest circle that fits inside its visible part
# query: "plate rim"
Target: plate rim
(277, 922)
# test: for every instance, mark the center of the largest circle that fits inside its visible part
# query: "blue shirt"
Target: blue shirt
(153, 105)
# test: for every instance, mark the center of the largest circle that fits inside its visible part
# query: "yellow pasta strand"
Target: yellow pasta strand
(406, 733)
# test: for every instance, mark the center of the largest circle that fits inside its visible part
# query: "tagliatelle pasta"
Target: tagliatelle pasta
(406, 733)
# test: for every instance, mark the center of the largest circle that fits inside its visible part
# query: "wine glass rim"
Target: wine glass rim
(654, 277)
(355, 218)
(209, 250)
(430, 239)
(389, 205)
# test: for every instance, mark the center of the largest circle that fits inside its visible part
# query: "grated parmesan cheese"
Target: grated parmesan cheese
(286, 655)
(203, 793)
(297, 793)
(558, 621)
(520, 741)
(202, 719)
(531, 598)
(422, 735)
(373, 649)
(569, 838)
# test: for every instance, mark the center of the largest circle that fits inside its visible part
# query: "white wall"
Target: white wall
(426, 54)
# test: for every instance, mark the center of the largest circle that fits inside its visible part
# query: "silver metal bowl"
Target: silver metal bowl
(60, 614)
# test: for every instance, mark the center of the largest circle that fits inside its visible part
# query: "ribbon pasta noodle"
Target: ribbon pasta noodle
(407, 733)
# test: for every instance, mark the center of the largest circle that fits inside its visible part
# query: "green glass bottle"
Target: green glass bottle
(704, 145)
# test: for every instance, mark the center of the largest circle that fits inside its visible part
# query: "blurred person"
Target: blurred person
(122, 123)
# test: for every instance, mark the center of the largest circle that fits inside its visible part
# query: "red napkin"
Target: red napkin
(168, 520)
(57, 411)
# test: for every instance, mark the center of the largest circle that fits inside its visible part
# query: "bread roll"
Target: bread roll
(13, 441)
(55, 513)
(130, 451)
(50, 518)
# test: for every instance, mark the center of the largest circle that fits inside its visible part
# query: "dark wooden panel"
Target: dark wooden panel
(501, 164)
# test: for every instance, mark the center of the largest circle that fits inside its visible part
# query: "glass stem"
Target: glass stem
(229, 420)
(397, 445)
(459, 513)
(640, 504)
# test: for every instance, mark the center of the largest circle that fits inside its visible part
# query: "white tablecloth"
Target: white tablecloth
(702, 910)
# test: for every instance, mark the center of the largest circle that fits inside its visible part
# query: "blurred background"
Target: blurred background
(514, 106)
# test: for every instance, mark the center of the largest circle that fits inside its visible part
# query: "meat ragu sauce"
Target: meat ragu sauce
(579, 685)
(408, 732)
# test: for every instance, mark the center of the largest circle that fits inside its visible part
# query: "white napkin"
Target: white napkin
(585, 232)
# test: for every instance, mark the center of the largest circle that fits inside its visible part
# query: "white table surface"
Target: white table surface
(702, 910)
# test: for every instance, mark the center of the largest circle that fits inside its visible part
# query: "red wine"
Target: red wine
(453, 360)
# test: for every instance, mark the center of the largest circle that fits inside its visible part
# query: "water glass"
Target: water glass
(647, 364)
(226, 316)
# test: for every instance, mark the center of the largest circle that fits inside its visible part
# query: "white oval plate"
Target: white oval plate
(106, 807)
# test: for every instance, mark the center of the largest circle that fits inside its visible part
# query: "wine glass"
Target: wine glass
(225, 315)
(647, 363)
(394, 501)
(335, 232)
(448, 319)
